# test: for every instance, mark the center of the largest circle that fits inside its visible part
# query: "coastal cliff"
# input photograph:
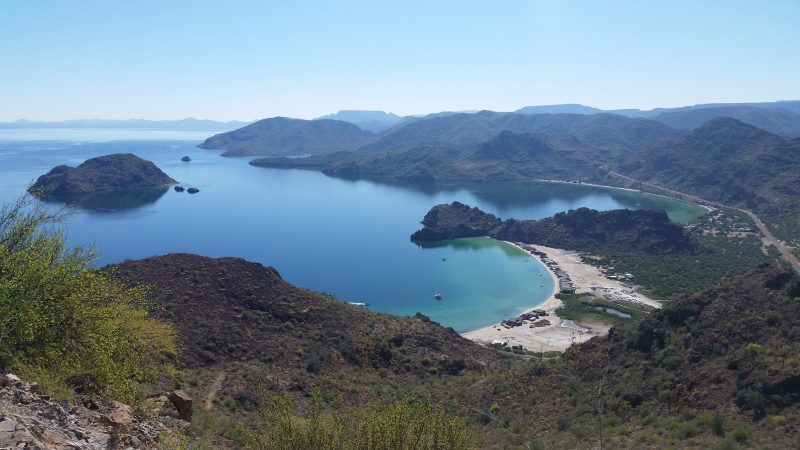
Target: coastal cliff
(584, 229)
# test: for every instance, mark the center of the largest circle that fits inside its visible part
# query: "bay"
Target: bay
(348, 238)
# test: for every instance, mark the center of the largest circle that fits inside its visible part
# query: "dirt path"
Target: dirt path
(208, 402)
(768, 238)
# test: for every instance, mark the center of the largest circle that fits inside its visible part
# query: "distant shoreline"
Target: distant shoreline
(639, 191)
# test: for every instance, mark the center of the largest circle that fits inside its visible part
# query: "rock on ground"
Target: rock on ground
(30, 420)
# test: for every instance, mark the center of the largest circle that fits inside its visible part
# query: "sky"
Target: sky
(246, 60)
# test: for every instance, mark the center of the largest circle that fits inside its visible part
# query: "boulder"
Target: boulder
(193, 190)
(183, 403)
(179, 188)
(9, 379)
(186, 159)
(120, 418)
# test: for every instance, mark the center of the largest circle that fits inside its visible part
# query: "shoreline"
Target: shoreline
(561, 334)
(583, 183)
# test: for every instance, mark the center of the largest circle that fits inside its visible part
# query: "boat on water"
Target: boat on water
(438, 296)
(358, 303)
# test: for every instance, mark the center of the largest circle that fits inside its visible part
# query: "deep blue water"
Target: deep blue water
(349, 238)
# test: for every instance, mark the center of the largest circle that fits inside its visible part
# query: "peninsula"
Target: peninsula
(584, 229)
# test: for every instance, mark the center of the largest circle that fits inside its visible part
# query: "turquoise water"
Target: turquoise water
(348, 238)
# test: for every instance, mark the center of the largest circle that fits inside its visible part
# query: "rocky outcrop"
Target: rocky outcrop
(455, 220)
(31, 420)
(110, 173)
(584, 229)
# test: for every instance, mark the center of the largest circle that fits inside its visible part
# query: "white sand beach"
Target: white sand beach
(559, 335)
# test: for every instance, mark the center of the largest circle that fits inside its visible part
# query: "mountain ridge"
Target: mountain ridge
(286, 136)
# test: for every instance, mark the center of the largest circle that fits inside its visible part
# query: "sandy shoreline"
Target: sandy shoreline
(559, 335)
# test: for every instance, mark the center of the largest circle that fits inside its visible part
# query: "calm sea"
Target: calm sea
(348, 238)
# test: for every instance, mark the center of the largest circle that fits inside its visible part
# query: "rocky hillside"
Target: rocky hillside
(117, 172)
(743, 331)
(717, 368)
(626, 231)
(230, 312)
(607, 131)
(727, 161)
(724, 361)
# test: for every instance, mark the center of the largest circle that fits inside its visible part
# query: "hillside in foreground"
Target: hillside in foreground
(231, 311)
(717, 368)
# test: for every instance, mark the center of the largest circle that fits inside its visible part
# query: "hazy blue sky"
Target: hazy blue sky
(171, 59)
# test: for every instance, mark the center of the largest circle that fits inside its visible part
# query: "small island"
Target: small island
(121, 173)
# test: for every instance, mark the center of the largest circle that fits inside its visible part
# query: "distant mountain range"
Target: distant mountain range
(782, 117)
(492, 146)
(374, 121)
(183, 124)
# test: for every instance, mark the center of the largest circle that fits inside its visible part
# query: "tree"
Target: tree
(64, 323)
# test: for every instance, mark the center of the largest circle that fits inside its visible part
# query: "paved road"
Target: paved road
(768, 237)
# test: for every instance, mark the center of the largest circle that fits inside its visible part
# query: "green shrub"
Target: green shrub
(717, 424)
(401, 425)
(66, 324)
(562, 423)
(741, 433)
(726, 444)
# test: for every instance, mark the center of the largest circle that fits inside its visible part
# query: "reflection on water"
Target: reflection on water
(613, 312)
(473, 244)
(517, 199)
(112, 201)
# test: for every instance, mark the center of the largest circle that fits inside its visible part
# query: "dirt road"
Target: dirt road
(768, 238)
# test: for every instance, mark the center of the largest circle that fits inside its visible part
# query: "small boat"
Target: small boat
(438, 296)
(358, 303)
